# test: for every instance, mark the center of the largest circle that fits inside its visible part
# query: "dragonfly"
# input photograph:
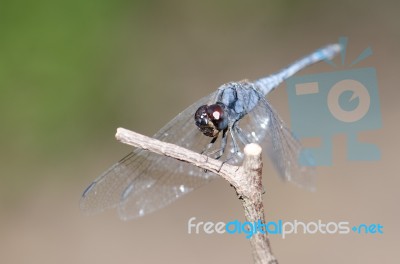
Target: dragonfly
(217, 125)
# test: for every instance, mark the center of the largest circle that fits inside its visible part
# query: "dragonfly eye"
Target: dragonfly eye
(201, 116)
(204, 123)
(216, 113)
(210, 119)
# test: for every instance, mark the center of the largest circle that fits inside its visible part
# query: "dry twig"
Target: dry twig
(246, 179)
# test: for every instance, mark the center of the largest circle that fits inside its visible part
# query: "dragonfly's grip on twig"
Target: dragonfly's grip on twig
(246, 179)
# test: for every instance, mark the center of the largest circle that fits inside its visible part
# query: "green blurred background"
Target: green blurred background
(71, 72)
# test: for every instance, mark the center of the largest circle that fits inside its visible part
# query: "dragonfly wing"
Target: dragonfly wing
(143, 182)
(262, 125)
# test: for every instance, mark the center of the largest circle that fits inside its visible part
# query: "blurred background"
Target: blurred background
(71, 72)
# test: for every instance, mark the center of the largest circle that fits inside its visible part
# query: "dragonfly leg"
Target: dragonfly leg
(234, 143)
(209, 146)
(217, 152)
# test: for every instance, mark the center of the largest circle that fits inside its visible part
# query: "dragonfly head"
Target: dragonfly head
(211, 119)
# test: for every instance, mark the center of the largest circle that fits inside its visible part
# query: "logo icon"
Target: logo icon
(339, 102)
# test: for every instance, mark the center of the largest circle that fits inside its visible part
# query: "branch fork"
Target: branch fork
(246, 179)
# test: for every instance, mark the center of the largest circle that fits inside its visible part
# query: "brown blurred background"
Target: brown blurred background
(71, 72)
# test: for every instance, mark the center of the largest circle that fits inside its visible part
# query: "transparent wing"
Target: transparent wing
(262, 125)
(143, 182)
